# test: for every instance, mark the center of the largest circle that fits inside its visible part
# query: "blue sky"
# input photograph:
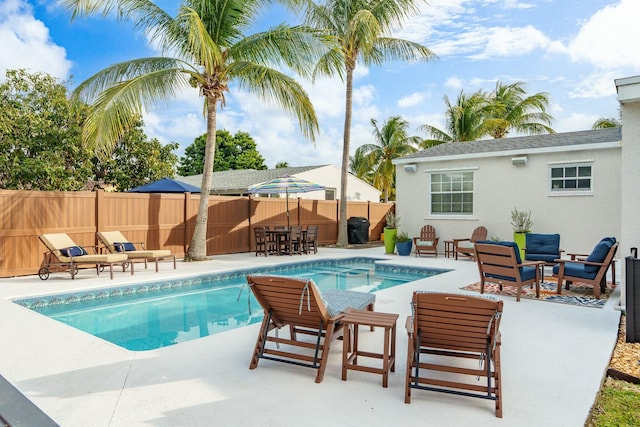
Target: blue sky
(572, 49)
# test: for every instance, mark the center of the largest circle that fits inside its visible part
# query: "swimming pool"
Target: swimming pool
(157, 314)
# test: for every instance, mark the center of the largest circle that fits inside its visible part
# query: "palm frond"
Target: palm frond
(386, 48)
(90, 89)
(118, 107)
(280, 89)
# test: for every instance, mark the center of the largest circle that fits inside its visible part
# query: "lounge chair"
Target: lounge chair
(500, 262)
(465, 246)
(116, 243)
(455, 329)
(427, 242)
(590, 269)
(298, 304)
(63, 252)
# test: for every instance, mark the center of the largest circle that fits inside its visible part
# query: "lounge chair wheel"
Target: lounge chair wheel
(126, 265)
(43, 273)
(101, 269)
(75, 270)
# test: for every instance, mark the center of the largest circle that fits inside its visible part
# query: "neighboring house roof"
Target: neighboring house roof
(240, 180)
(518, 145)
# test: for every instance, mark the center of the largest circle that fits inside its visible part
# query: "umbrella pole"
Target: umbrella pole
(287, 196)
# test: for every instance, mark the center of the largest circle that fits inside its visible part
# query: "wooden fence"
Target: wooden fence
(162, 221)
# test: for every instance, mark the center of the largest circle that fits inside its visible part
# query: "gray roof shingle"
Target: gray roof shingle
(521, 143)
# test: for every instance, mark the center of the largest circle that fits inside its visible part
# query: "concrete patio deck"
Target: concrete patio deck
(554, 358)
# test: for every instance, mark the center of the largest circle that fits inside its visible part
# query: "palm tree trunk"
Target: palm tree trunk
(198, 248)
(342, 224)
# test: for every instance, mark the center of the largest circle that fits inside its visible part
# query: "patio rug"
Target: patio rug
(580, 293)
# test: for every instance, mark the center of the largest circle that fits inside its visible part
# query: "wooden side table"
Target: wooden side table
(448, 248)
(355, 318)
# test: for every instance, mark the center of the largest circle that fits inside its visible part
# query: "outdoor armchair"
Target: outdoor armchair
(591, 270)
(542, 247)
(465, 246)
(427, 242)
(500, 262)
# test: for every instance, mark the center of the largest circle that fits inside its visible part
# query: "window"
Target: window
(452, 193)
(330, 194)
(570, 178)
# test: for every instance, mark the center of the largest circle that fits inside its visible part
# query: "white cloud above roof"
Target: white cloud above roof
(20, 33)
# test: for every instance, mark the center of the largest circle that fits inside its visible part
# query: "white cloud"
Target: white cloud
(26, 43)
(575, 121)
(595, 85)
(609, 39)
(411, 100)
(454, 82)
(508, 41)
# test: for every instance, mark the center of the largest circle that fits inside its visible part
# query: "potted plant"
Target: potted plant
(403, 243)
(390, 231)
(522, 223)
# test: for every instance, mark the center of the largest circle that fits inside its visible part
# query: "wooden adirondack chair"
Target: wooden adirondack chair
(465, 246)
(427, 242)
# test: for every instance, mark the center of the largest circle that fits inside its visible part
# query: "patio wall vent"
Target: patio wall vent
(519, 161)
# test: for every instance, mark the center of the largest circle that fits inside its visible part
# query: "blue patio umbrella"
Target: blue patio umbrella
(166, 185)
(285, 184)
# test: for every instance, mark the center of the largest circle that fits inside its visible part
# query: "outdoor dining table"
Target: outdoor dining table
(280, 235)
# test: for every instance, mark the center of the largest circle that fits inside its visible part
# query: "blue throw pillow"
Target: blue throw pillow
(73, 251)
(599, 253)
(124, 246)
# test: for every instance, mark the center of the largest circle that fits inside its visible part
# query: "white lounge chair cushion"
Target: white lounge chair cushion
(424, 242)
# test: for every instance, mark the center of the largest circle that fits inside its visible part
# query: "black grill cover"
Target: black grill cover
(358, 230)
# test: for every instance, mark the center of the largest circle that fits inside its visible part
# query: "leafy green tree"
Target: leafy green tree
(361, 29)
(40, 135)
(513, 110)
(233, 152)
(281, 165)
(391, 141)
(136, 160)
(209, 49)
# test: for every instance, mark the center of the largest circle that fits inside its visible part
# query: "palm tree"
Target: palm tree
(207, 50)
(513, 110)
(606, 122)
(391, 141)
(466, 120)
(361, 29)
(281, 165)
(360, 167)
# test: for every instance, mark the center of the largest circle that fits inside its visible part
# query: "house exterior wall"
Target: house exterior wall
(329, 176)
(499, 187)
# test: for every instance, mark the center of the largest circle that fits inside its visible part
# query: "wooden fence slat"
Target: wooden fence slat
(162, 221)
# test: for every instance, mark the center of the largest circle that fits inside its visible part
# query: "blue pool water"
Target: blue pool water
(152, 315)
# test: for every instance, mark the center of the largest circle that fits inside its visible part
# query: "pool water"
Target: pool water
(153, 315)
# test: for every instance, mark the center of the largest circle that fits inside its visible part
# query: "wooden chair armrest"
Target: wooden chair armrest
(455, 241)
(574, 255)
(580, 261)
(530, 263)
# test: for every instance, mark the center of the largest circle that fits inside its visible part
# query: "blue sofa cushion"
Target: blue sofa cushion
(526, 273)
(599, 253)
(575, 269)
(73, 251)
(124, 246)
(542, 247)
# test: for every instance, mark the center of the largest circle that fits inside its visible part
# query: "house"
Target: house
(236, 182)
(571, 183)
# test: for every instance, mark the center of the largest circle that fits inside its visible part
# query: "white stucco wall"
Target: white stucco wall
(329, 176)
(581, 220)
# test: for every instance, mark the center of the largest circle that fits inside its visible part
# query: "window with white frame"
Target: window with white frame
(452, 193)
(575, 177)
